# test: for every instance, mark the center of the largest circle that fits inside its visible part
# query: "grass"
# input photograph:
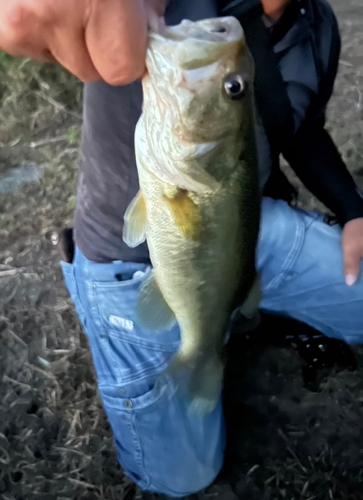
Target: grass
(31, 93)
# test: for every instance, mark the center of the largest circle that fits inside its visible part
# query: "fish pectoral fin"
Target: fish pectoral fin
(134, 232)
(182, 165)
(152, 309)
(250, 306)
(186, 214)
(200, 181)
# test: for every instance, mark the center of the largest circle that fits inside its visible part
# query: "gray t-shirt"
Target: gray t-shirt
(108, 177)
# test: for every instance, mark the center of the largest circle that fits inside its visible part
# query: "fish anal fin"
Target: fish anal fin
(134, 232)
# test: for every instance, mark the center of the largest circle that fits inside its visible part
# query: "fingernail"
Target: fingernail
(350, 279)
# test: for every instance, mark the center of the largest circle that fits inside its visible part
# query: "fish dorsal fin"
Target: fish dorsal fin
(134, 232)
(186, 213)
(152, 310)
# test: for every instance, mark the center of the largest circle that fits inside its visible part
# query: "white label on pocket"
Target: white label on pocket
(121, 322)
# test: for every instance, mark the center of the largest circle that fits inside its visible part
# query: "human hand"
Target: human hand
(93, 39)
(352, 243)
(154, 11)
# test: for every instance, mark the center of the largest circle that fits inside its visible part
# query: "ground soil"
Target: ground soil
(289, 441)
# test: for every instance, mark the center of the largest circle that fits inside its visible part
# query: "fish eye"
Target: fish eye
(235, 86)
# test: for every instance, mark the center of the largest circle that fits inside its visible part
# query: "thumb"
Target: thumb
(153, 19)
(157, 6)
(352, 257)
(155, 12)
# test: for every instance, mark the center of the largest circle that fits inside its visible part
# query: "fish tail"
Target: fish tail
(200, 379)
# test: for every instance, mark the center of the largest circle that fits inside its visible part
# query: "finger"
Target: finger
(158, 6)
(352, 259)
(13, 34)
(116, 37)
(27, 29)
(153, 19)
(70, 50)
(66, 39)
(17, 36)
(155, 10)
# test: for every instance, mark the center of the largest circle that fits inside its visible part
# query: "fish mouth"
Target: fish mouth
(193, 45)
(223, 30)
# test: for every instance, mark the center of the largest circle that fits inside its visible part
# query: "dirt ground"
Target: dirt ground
(289, 442)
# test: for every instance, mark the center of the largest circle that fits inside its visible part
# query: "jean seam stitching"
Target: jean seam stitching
(290, 260)
(137, 435)
(97, 319)
(72, 273)
(140, 455)
(153, 371)
(140, 343)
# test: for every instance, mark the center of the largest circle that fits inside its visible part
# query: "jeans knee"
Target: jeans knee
(190, 481)
(166, 450)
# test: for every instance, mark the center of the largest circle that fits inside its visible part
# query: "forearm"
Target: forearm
(317, 162)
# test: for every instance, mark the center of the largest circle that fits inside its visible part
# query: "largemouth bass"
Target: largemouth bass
(198, 206)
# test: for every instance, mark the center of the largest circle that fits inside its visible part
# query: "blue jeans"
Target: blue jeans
(159, 445)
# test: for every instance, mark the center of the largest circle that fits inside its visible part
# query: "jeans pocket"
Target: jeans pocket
(134, 352)
(160, 445)
(126, 416)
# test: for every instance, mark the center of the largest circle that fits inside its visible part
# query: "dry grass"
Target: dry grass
(289, 442)
(31, 94)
